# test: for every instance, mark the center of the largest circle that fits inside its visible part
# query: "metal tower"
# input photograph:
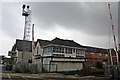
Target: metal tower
(27, 27)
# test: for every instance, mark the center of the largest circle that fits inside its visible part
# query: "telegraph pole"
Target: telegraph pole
(33, 46)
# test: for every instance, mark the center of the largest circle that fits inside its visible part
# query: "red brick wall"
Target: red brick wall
(93, 58)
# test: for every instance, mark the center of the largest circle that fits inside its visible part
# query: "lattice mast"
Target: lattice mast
(113, 31)
(27, 13)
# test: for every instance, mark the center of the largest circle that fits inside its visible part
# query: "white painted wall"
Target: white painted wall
(38, 49)
(63, 64)
(39, 63)
(46, 62)
(60, 66)
(67, 59)
(66, 66)
(47, 51)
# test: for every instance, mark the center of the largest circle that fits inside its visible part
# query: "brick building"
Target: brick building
(94, 55)
(114, 58)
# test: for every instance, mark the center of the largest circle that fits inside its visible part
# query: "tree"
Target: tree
(99, 65)
(119, 55)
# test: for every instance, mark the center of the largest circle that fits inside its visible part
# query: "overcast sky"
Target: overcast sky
(87, 23)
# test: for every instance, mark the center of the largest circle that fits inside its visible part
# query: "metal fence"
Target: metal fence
(112, 71)
(34, 68)
(26, 68)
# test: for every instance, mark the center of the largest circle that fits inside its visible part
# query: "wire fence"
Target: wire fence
(112, 71)
(34, 68)
(26, 68)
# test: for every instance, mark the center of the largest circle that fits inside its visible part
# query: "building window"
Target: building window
(100, 54)
(106, 55)
(91, 49)
(37, 50)
(62, 50)
(58, 49)
(78, 51)
(47, 50)
(68, 50)
(53, 49)
(73, 50)
(92, 53)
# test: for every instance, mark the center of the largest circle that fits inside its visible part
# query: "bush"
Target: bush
(91, 71)
(17, 70)
(23, 70)
(44, 71)
(26, 70)
(99, 65)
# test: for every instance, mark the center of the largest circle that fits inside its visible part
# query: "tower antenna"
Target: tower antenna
(27, 13)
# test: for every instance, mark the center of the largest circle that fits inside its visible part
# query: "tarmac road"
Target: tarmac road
(8, 76)
(46, 76)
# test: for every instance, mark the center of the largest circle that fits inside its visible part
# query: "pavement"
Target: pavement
(46, 76)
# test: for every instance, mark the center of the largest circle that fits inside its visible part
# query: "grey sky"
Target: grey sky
(86, 23)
